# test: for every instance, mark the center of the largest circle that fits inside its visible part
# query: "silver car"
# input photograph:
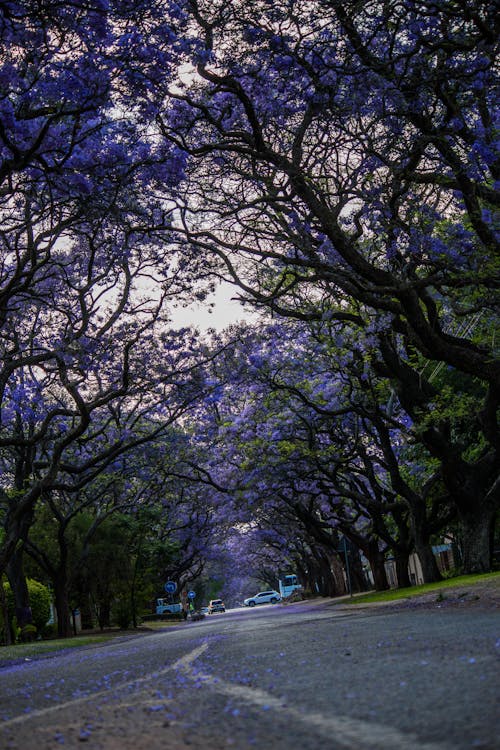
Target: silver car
(263, 597)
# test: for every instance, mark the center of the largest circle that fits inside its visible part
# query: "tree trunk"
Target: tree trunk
(86, 612)
(324, 577)
(421, 536)
(351, 558)
(17, 524)
(376, 558)
(338, 575)
(64, 624)
(133, 603)
(302, 574)
(428, 563)
(476, 529)
(133, 608)
(104, 614)
(64, 627)
(403, 546)
(358, 578)
(403, 575)
(310, 581)
(17, 580)
(475, 490)
(5, 614)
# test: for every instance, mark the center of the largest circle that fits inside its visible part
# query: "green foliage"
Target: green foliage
(214, 588)
(28, 634)
(16, 630)
(458, 403)
(49, 631)
(452, 573)
(39, 602)
(121, 562)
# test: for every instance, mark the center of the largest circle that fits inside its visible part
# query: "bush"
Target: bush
(49, 631)
(28, 634)
(452, 573)
(39, 602)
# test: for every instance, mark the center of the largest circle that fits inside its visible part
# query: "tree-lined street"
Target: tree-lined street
(334, 163)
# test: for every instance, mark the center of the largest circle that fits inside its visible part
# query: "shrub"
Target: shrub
(39, 602)
(28, 634)
(452, 573)
(49, 631)
(16, 630)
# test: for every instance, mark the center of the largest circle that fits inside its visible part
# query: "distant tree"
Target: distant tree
(306, 430)
(153, 516)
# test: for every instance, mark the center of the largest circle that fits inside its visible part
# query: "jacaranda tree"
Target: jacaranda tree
(337, 161)
(304, 435)
(342, 165)
(87, 261)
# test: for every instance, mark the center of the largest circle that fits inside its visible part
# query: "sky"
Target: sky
(225, 311)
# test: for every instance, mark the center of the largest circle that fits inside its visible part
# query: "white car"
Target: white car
(216, 605)
(263, 597)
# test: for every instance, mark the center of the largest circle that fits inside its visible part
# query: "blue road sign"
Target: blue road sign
(191, 594)
(170, 587)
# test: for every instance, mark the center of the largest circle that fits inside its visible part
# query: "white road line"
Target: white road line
(349, 733)
(183, 663)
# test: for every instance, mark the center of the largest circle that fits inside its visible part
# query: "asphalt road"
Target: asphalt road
(308, 676)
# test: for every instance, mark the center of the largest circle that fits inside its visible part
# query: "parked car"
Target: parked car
(216, 605)
(204, 610)
(263, 597)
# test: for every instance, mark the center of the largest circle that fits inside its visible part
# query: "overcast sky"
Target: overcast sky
(225, 312)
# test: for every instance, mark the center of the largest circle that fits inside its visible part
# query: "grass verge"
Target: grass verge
(460, 582)
(26, 651)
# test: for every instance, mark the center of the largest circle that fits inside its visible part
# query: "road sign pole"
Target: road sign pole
(170, 587)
